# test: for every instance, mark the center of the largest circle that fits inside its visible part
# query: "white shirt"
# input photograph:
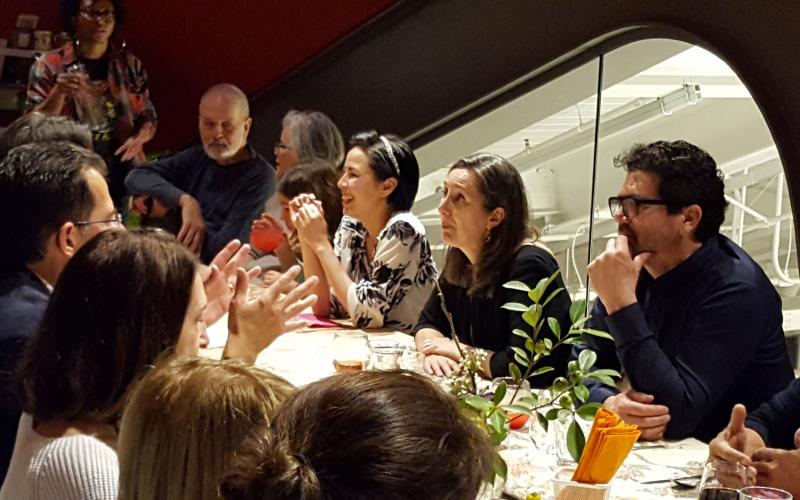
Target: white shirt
(64, 468)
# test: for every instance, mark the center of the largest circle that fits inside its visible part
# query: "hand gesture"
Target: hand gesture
(441, 366)
(70, 84)
(778, 469)
(133, 148)
(637, 408)
(309, 220)
(193, 228)
(614, 274)
(253, 324)
(441, 346)
(217, 276)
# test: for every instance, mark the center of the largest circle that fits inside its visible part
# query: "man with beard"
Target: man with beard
(697, 325)
(220, 186)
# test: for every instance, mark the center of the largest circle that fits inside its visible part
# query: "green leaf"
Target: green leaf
(548, 344)
(520, 333)
(575, 441)
(604, 371)
(532, 314)
(581, 392)
(499, 393)
(532, 400)
(586, 359)
(498, 421)
(543, 369)
(573, 341)
(588, 410)
(514, 306)
(577, 310)
(552, 296)
(537, 293)
(478, 402)
(529, 345)
(581, 321)
(555, 327)
(516, 374)
(563, 415)
(605, 379)
(551, 414)
(521, 352)
(596, 333)
(522, 361)
(560, 384)
(519, 409)
(543, 422)
(499, 467)
(517, 285)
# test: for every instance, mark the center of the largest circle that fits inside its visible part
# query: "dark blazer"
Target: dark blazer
(23, 300)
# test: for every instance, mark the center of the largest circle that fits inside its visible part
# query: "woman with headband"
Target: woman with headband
(379, 269)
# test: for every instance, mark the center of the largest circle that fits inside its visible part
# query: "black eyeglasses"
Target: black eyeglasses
(117, 219)
(98, 15)
(630, 205)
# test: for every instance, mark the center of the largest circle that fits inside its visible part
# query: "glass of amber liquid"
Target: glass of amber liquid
(350, 351)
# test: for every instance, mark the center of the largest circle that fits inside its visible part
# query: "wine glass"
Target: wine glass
(763, 493)
(721, 480)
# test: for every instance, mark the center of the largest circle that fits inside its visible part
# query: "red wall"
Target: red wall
(188, 45)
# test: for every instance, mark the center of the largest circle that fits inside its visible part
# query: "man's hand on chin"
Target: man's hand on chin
(637, 408)
(614, 274)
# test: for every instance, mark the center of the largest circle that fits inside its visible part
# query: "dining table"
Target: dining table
(533, 456)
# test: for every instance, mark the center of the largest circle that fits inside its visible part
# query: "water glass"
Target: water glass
(350, 351)
(763, 493)
(384, 355)
(412, 360)
(721, 480)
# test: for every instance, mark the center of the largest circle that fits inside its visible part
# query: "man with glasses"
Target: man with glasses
(697, 325)
(220, 186)
(54, 198)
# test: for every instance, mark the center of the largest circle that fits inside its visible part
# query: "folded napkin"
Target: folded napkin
(609, 443)
(315, 322)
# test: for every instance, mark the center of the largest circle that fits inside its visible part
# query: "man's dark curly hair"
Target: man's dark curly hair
(687, 176)
(71, 8)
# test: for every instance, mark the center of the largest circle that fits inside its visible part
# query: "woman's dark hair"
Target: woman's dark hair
(319, 178)
(70, 9)
(390, 157)
(501, 186)
(363, 436)
(687, 176)
(118, 304)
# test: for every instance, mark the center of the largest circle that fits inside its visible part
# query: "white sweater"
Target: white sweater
(66, 468)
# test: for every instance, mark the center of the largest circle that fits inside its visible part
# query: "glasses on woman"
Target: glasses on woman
(630, 205)
(98, 15)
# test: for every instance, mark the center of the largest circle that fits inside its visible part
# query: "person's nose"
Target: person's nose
(444, 206)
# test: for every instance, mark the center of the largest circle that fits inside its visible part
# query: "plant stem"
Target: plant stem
(453, 335)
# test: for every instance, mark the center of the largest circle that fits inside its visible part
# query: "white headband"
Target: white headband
(391, 154)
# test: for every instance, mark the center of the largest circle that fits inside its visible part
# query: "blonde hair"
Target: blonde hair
(185, 421)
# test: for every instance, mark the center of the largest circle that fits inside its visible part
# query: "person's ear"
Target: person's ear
(247, 124)
(388, 186)
(691, 219)
(67, 239)
(496, 216)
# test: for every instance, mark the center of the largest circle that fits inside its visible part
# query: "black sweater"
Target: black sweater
(480, 322)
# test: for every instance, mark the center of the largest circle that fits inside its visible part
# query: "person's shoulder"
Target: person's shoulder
(732, 264)
(22, 304)
(403, 224)
(79, 466)
(350, 225)
(533, 258)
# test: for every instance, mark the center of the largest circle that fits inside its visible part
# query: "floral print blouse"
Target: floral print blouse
(391, 289)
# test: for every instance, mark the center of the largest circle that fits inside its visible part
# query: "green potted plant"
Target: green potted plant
(565, 399)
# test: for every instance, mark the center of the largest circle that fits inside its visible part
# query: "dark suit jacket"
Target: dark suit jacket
(23, 300)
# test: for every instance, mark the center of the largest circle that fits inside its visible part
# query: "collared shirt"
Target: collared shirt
(702, 337)
(128, 105)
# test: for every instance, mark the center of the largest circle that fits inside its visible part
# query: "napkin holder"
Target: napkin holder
(566, 489)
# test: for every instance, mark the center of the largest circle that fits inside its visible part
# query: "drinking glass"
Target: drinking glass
(384, 354)
(412, 360)
(721, 480)
(350, 351)
(763, 493)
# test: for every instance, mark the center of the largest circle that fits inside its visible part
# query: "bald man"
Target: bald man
(220, 187)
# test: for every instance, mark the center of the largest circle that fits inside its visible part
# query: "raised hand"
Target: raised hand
(638, 408)
(614, 274)
(253, 324)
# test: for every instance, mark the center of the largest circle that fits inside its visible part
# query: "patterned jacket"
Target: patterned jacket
(127, 82)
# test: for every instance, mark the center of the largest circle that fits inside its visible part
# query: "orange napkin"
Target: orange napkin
(609, 443)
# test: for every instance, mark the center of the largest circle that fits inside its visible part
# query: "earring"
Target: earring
(488, 236)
